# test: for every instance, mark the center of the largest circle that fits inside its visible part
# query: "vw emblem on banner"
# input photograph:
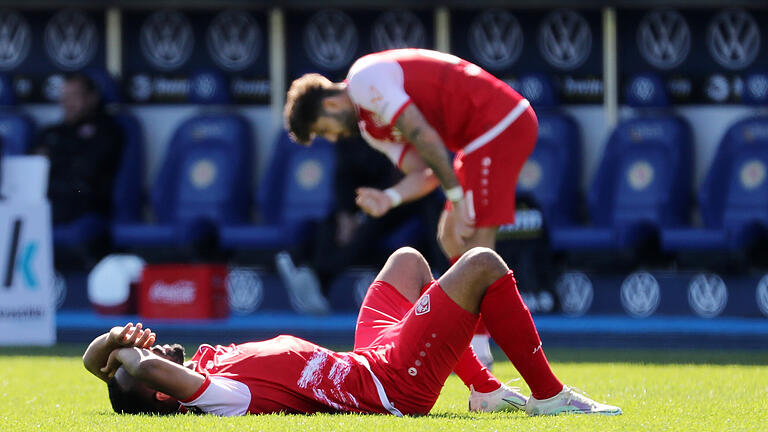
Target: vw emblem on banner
(330, 39)
(71, 39)
(664, 38)
(166, 39)
(52, 87)
(397, 29)
(733, 38)
(362, 282)
(234, 39)
(575, 291)
(707, 295)
(565, 39)
(15, 39)
(717, 88)
(640, 294)
(761, 295)
(496, 38)
(245, 290)
(757, 86)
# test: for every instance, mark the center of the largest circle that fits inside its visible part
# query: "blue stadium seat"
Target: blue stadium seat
(551, 177)
(16, 129)
(296, 189)
(204, 182)
(643, 182)
(734, 196)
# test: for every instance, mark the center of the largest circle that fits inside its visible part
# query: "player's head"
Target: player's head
(129, 395)
(79, 97)
(315, 106)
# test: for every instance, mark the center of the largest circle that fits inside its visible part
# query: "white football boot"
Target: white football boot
(481, 344)
(569, 401)
(505, 398)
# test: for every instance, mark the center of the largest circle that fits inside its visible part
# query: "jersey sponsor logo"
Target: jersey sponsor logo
(733, 38)
(752, 174)
(640, 175)
(565, 39)
(575, 291)
(330, 39)
(176, 293)
(397, 29)
(166, 39)
(707, 295)
(664, 38)
(203, 173)
(309, 174)
(496, 38)
(245, 290)
(761, 295)
(15, 39)
(71, 39)
(530, 175)
(234, 39)
(640, 294)
(423, 305)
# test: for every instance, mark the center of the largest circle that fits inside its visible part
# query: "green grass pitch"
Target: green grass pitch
(49, 390)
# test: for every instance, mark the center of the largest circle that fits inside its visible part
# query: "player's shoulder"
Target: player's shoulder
(374, 66)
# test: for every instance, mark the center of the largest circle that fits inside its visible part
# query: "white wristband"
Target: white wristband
(394, 196)
(455, 194)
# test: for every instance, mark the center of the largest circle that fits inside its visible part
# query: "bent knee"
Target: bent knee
(485, 261)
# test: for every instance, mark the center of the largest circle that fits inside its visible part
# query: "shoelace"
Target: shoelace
(513, 388)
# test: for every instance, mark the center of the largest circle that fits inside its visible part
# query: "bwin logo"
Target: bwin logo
(166, 39)
(565, 39)
(234, 40)
(733, 38)
(496, 38)
(15, 39)
(71, 39)
(398, 29)
(707, 295)
(330, 39)
(640, 294)
(664, 38)
(575, 292)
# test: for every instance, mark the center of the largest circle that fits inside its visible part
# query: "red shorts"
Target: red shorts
(417, 353)
(491, 171)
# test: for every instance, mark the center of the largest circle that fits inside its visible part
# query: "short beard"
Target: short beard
(349, 121)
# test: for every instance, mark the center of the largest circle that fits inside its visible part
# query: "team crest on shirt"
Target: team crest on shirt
(422, 307)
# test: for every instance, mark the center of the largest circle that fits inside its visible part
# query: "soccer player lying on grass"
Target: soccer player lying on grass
(398, 366)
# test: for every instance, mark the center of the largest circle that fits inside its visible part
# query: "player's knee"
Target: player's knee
(486, 263)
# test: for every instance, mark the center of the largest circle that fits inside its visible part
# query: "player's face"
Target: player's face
(137, 389)
(335, 122)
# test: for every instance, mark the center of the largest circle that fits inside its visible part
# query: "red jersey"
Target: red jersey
(459, 99)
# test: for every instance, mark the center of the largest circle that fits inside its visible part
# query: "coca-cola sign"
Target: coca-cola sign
(180, 292)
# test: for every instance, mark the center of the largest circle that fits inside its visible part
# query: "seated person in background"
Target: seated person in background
(84, 151)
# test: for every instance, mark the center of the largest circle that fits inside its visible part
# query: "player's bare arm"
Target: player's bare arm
(154, 371)
(98, 351)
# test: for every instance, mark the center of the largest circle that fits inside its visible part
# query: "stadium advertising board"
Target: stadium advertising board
(328, 41)
(563, 43)
(703, 54)
(38, 47)
(163, 48)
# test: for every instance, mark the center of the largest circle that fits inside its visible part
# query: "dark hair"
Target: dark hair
(88, 84)
(303, 104)
(129, 402)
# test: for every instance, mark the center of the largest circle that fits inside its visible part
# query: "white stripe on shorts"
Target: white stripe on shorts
(498, 128)
(379, 388)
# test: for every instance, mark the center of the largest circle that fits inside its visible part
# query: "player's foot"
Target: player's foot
(302, 285)
(504, 399)
(568, 401)
(481, 344)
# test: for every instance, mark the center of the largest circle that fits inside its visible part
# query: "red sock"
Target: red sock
(472, 372)
(511, 326)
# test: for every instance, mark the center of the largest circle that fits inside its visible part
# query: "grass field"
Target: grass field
(48, 390)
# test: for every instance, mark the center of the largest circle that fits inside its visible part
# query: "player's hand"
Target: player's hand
(130, 336)
(463, 221)
(373, 201)
(113, 364)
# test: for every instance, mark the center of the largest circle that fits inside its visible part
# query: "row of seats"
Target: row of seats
(643, 185)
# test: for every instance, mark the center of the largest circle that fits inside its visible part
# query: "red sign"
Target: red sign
(185, 291)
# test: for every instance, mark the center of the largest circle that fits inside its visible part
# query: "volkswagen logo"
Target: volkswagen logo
(707, 295)
(565, 39)
(640, 294)
(71, 39)
(166, 39)
(496, 38)
(664, 38)
(234, 40)
(761, 295)
(398, 29)
(757, 86)
(717, 88)
(15, 39)
(245, 290)
(733, 38)
(330, 39)
(575, 292)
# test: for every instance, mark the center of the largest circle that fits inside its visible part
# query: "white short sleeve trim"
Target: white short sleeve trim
(378, 86)
(224, 397)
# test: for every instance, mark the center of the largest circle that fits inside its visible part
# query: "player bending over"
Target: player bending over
(398, 366)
